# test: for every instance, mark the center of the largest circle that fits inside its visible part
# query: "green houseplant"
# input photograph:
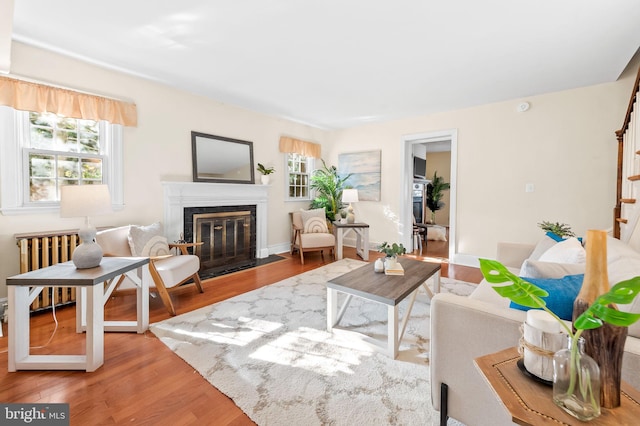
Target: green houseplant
(328, 185)
(435, 192)
(527, 294)
(392, 250)
(265, 170)
(560, 229)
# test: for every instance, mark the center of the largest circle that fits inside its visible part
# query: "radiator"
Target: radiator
(39, 250)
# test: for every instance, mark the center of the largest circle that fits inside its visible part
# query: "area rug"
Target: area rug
(269, 351)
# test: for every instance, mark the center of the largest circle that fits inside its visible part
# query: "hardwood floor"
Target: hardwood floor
(142, 382)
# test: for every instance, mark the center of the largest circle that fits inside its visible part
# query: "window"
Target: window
(41, 152)
(61, 151)
(299, 169)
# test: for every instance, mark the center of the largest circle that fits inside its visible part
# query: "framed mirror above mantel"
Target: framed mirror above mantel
(221, 159)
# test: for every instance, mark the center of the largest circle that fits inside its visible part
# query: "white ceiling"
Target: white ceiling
(336, 64)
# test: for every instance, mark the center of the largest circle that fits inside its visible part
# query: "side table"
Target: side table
(530, 402)
(362, 238)
(25, 287)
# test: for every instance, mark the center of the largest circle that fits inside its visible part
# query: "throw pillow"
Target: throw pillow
(543, 245)
(314, 221)
(567, 251)
(537, 269)
(562, 294)
(148, 241)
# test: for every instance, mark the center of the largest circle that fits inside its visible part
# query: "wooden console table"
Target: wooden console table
(530, 402)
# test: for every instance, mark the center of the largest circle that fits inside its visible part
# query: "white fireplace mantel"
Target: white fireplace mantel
(178, 195)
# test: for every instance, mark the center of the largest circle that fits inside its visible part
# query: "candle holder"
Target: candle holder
(541, 339)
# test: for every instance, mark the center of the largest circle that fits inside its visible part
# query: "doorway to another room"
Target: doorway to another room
(424, 155)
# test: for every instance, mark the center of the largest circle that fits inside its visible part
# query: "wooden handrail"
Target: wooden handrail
(620, 140)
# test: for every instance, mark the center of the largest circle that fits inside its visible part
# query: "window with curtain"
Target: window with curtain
(41, 152)
(299, 168)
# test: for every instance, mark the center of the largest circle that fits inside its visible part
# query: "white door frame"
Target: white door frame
(406, 199)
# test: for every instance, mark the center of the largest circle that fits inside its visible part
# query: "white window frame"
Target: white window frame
(14, 171)
(310, 168)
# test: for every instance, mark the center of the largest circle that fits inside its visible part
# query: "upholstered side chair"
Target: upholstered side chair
(309, 235)
(168, 272)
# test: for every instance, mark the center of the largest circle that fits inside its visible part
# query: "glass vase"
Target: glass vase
(576, 381)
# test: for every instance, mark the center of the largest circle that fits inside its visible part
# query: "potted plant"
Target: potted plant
(265, 172)
(391, 252)
(562, 230)
(435, 192)
(578, 398)
(328, 185)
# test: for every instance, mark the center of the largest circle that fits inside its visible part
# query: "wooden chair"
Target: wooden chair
(168, 272)
(310, 241)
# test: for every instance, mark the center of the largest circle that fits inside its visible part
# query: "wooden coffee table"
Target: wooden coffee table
(389, 290)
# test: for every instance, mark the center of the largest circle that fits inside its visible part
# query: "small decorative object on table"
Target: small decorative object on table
(392, 251)
(378, 266)
(541, 339)
(578, 390)
(343, 216)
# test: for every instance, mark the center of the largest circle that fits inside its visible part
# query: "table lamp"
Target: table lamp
(350, 196)
(85, 200)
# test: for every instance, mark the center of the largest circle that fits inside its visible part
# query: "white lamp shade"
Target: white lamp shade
(350, 196)
(84, 200)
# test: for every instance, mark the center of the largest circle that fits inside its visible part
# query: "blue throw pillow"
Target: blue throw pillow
(562, 293)
(557, 238)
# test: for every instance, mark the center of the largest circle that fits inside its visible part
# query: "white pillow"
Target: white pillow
(314, 221)
(485, 292)
(148, 241)
(567, 251)
(537, 269)
(543, 245)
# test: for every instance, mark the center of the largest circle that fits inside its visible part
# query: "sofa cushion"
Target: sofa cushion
(538, 269)
(567, 251)
(543, 245)
(314, 221)
(562, 293)
(485, 293)
(148, 240)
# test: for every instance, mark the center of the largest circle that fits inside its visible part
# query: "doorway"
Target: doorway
(433, 141)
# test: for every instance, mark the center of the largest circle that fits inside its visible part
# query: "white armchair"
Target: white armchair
(311, 234)
(168, 272)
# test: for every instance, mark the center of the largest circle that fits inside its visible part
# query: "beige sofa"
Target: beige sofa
(465, 328)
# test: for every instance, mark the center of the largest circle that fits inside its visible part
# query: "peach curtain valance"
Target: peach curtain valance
(308, 149)
(28, 96)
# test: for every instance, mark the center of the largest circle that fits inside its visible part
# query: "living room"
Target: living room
(564, 145)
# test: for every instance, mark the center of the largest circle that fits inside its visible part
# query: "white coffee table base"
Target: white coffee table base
(394, 336)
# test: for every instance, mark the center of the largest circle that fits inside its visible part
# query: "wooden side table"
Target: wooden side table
(530, 402)
(362, 238)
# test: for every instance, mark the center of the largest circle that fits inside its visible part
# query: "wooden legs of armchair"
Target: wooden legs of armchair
(163, 292)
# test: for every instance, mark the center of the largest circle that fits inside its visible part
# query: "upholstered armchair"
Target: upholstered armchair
(310, 233)
(168, 271)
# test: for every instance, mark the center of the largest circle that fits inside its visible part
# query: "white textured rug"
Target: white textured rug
(269, 351)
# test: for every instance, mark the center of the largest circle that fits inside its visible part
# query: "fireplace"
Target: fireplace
(211, 198)
(227, 233)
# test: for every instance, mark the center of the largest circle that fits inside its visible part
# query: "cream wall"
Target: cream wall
(564, 145)
(158, 149)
